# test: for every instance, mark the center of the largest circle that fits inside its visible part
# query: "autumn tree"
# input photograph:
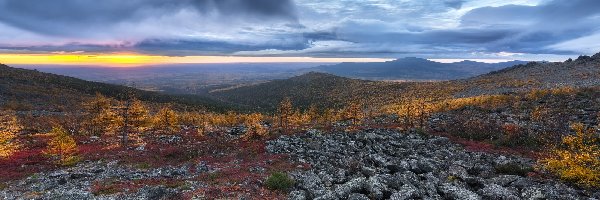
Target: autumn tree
(135, 117)
(353, 112)
(139, 116)
(166, 119)
(231, 119)
(285, 112)
(577, 158)
(313, 115)
(408, 113)
(254, 127)
(102, 118)
(62, 147)
(328, 118)
(9, 128)
(423, 110)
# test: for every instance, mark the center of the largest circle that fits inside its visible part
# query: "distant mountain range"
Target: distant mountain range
(413, 69)
(327, 90)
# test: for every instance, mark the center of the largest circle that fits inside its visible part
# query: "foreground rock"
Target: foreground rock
(383, 164)
(78, 183)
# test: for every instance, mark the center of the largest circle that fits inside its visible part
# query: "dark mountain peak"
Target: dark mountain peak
(596, 56)
(469, 61)
(584, 58)
(411, 59)
(316, 74)
(412, 68)
(311, 76)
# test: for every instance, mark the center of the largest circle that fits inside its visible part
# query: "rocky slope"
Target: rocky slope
(380, 164)
(78, 182)
(371, 164)
(581, 72)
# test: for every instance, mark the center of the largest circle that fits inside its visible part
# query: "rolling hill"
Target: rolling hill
(413, 69)
(327, 90)
(34, 90)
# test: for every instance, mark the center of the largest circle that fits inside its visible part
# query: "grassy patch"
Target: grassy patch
(513, 169)
(105, 188)
(279, 181)
(143, 165)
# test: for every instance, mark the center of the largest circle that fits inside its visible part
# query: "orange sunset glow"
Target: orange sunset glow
(132, 59)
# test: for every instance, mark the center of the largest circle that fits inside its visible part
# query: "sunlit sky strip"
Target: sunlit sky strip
(141, 60)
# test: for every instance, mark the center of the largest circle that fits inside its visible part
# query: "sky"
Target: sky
(198, 31)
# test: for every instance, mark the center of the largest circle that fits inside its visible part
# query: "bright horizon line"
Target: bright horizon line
(133, 60)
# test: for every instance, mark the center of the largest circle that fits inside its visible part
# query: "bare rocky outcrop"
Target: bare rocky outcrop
(385, 164)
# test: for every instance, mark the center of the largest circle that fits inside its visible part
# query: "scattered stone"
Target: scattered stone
(385, 164)
(297, 195)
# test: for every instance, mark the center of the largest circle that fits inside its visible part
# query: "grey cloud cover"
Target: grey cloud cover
(374, 28)
(65, 17)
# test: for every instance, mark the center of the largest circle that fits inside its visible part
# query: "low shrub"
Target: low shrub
(513, 169)
(279, 181)
(106, 188)
(576, 159)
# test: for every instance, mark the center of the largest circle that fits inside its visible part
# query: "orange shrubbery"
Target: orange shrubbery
(577, 158)
(9, 127)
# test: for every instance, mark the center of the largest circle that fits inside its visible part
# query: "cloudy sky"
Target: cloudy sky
(435, 29)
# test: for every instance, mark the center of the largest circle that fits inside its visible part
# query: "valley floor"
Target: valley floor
(369, 164)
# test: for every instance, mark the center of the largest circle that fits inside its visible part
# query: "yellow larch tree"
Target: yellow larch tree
(62, 147)
(102, 117)
(138, 114)
(166, 119)
(254, 127)
(285, 112)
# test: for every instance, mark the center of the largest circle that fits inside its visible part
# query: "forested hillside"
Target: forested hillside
(413, 69)
(327, 90)
(23, 89)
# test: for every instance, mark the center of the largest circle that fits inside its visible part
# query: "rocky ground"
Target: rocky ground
(383, 164)
(371, 164)
(78, 182)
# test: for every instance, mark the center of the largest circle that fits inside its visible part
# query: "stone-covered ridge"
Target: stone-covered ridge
(384, 164)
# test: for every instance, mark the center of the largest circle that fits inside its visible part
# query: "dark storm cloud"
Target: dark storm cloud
(510, 28)
(265, 8)
(554, 14)
(300, 27)
(456, 4)
(72, 47)
(68, 17)
(536, 27)
(187, 47)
